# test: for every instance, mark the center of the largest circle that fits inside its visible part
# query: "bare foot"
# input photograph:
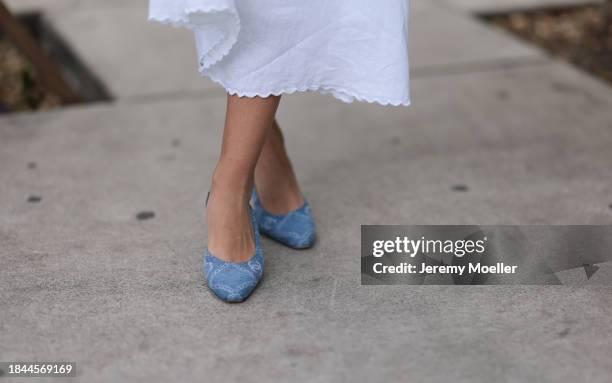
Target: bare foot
(230, 231)
(277, 186)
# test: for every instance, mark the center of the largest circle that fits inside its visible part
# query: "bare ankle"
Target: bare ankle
(233, 181)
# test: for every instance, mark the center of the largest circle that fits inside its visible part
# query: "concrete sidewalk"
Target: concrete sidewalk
(83, 280)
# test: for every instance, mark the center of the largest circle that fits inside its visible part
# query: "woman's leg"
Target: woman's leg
(276, 183)
(248, 122)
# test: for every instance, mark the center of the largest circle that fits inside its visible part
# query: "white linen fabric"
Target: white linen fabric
(352, 49)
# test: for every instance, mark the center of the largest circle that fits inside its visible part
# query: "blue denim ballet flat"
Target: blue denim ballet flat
(234, 282)
(295, 229)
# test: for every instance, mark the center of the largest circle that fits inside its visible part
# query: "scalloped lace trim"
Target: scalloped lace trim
(341, 94)
(224, 19)
(224, 22)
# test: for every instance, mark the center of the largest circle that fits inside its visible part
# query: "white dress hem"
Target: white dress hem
(339, 93)
(217, 26)
(214, 16)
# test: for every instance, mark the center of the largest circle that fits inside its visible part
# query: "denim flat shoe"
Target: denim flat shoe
(295, 229)
(234, 282)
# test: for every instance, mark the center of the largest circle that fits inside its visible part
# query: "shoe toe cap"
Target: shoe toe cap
(305, 239)
(233, 282)
(232, 285)
(299, 234)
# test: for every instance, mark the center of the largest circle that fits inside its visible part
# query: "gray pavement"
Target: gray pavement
(497, 6)
(82, 279)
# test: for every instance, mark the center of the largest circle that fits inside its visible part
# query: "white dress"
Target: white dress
(352, 49)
